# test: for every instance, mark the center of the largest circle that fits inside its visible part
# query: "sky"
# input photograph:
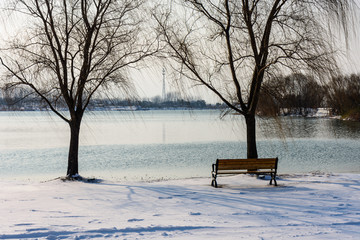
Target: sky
(148, 79)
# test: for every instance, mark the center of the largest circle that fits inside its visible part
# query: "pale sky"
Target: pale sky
(149, 80)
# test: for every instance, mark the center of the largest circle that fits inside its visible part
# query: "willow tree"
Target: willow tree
(70, 50)
(233, 47)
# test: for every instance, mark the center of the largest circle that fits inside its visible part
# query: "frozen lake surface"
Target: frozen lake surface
(156, 145)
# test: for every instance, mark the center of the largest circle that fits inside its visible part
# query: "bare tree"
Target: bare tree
(71, 50)
(343, 96)
(233, 47)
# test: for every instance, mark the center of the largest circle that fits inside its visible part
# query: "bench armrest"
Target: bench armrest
(214, 167)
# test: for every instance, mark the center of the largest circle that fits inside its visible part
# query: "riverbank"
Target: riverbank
(302, 207)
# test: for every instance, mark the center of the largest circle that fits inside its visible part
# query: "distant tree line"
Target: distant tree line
(297, 94)
(153, 103)
(19, 101)
(343, 96)
(175, 100)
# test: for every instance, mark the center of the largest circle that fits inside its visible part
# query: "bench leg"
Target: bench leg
(273, 177)
(213, 181)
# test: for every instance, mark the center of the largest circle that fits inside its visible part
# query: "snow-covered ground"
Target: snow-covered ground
(301, 207)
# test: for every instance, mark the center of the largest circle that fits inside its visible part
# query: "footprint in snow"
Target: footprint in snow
(195, 213)
(24, 224)
(36, 229)
(51, 237)
(165, 197)
(135, 220)
(94, 221)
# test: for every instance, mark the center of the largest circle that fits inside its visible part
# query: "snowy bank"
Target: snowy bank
(302, 207)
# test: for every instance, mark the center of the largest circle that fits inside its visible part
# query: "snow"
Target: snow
(322, 112)
(302, 207)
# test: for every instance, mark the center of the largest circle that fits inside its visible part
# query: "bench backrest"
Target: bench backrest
(242, 164)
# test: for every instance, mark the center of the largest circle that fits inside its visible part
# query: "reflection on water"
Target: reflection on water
(41, 130)
(170, 144)
(297, 127)
(163, 133)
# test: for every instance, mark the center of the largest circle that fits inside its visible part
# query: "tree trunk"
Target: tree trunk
(73, 166)
(251, 136)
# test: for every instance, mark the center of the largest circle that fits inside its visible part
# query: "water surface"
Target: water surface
(155, 145)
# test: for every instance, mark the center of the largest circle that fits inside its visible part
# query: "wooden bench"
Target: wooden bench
(258, 166)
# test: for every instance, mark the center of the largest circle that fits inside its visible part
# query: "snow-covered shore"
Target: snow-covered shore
(301, 207)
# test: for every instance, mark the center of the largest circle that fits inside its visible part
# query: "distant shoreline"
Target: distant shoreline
(311, 112)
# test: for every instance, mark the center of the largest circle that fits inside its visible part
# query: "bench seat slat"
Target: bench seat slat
(245, 163)
(244, 172)
(222, 163)
(246, 160)
(247, 166)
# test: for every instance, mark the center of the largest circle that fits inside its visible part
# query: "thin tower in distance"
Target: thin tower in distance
(163, 87)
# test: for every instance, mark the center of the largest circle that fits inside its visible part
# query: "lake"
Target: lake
(170, 144)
